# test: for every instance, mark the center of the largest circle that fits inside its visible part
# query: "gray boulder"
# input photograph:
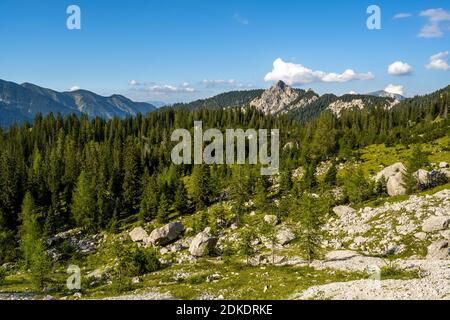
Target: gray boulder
(284, 236)
(203, 244)
(436, 223)
(390, 171)
(138, 234)
(395, 185)
(165, 235)
(341, 211)
(439, 250)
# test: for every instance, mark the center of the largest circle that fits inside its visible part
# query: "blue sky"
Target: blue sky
(182, 50)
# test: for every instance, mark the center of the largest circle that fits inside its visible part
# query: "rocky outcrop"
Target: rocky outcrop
(203, 244)
(430, 286)
(138, 234)
(282, 98)
(439, 250)
(436, 223)
(74, 239)
(388, 229)
(165, 235)
(338, 106)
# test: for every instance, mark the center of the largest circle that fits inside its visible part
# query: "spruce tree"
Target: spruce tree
(34, 255)
(84, 203)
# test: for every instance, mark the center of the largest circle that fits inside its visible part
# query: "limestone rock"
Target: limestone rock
(343, 210)
(390, 171)
(138, 234)
(202, 244)
(284, 236)
(395, 185)
(436, 223)
(439, 250)
(165, 234)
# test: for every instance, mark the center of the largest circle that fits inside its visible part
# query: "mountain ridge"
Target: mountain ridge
(21, 102)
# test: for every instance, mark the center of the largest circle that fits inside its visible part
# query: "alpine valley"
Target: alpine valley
(360, 208)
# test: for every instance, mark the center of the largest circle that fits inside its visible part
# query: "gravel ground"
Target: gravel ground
(434, 285)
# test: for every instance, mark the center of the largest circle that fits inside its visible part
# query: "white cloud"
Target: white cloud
(402, 15)
(434, 28)
(225, 83)
(74, 88)
(439, 61)
(220, 82)
(241, 19)
(135, 83)
(167, 89)
(399, 68)
(298, 74)
(393, 88)
(353, 92)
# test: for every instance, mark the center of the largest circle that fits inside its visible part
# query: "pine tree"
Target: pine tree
(150, 200)
(309, 211)
(181, 198)
(132, 187)
(201, 193)
(330, 177)
(356, 186)
(246, 246)
(163, 209)
(416, 161)
(84, 203)
(34, 255)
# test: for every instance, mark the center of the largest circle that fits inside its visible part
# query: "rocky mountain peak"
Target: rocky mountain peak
(275, 99)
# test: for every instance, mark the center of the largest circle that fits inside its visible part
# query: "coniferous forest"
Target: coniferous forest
(63, 177)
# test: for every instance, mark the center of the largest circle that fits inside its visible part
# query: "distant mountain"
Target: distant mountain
(282, 99)
(158, 104)
(224, 100)
(385, 94)
(19, 103)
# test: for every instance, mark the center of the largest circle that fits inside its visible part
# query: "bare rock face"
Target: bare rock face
(166, 234)
(202, 244)
(138, 234)
(436, 223)
(337, 107)
(439, 250)
(282, 98)
(275, 99)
